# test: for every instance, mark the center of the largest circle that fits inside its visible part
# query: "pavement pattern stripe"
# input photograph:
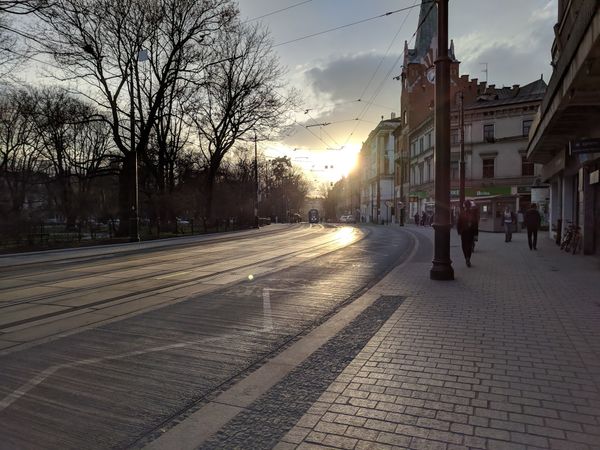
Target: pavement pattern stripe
(266, 420)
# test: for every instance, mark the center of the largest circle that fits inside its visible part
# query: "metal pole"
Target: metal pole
(134, 234)
(461, 164)
(256, 223)
(442, 265)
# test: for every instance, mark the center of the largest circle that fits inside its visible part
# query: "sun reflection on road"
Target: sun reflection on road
(345, 235)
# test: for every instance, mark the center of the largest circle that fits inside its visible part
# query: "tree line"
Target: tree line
(164, 99)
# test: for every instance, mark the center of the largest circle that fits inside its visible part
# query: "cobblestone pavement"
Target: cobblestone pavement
(507, 356)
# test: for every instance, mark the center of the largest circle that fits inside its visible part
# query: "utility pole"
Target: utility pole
(461, 163)
(442, 265)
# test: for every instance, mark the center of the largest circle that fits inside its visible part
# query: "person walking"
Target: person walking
(508, 220)
(424, 219)
(417, 218)
(533, 220)
(467, 228)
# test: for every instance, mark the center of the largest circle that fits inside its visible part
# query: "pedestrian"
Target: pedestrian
(533, 219)
(424, 219)
(467, 228)
(417, 218)
(508, 221)
(521, 219)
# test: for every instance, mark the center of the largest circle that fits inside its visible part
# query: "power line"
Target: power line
(366, 107)
(389, 13)
(380, 87)
(277, 11)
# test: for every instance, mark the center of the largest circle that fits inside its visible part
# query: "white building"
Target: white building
(377, 196)
(497, 172)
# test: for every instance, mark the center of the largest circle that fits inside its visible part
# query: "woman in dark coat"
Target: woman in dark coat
(467, 226)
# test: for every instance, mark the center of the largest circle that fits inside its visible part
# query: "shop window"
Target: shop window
(526, 167)
(488, 168)
(488, 132)
(454, 170)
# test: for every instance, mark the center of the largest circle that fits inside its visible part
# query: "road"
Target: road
(101, 347)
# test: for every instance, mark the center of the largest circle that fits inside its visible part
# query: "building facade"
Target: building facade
(565, 134)
(495, 132)
(377, 197)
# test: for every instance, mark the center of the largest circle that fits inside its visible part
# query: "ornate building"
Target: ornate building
(496, 124)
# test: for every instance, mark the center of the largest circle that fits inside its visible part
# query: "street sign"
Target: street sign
(585, 146)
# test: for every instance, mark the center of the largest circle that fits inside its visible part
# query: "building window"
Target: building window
(526, 167)
(420, 174)
(454, 140)
(488, 168)
(428, 140)
(526, 127)
(421, 145)
(454, 173)
(429, 169)
(488, 132)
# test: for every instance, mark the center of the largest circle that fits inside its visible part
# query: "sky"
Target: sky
(334, 70)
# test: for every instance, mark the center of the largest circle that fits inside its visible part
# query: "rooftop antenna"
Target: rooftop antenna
(485, 71)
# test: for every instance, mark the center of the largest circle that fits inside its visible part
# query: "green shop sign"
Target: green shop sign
(482, 191)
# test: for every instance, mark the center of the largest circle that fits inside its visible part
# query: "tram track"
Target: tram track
(135, 296)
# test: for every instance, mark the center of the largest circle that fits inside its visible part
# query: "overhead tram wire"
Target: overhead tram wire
(389, 13)
(277, 11)
(366, 107)
(380, 87)
(311, 132)
(325, 131)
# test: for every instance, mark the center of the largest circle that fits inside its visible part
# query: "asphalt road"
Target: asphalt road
(100, 348)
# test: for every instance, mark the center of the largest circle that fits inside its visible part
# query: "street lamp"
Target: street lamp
(442, 265)
(134, 217)
(256, 221)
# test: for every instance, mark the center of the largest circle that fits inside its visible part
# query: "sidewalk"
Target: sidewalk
(507, 356)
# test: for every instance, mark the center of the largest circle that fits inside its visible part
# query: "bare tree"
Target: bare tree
(11, 53)
(239, 96)
(130, 53)
(19, 159)
(75, 146)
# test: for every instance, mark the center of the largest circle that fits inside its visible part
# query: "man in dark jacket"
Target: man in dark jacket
(467, 226)
(533, 219)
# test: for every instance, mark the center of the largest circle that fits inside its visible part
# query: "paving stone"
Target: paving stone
(496, 359)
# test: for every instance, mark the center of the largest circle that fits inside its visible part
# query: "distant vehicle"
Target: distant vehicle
(313, 216)
(295, 218)
(350, 218)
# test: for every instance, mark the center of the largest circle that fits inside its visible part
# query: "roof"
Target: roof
(426, 32)
(531, 92)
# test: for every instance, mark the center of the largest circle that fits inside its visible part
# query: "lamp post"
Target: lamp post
(442, 265)
(256, 222)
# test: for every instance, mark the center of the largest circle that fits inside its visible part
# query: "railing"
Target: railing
(41, 235)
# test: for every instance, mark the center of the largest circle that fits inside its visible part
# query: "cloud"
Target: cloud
(511, 58)
(335, 84)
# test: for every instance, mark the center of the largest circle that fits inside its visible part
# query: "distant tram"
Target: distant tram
(313, 216)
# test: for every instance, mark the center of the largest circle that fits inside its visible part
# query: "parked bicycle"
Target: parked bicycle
(572, 240)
